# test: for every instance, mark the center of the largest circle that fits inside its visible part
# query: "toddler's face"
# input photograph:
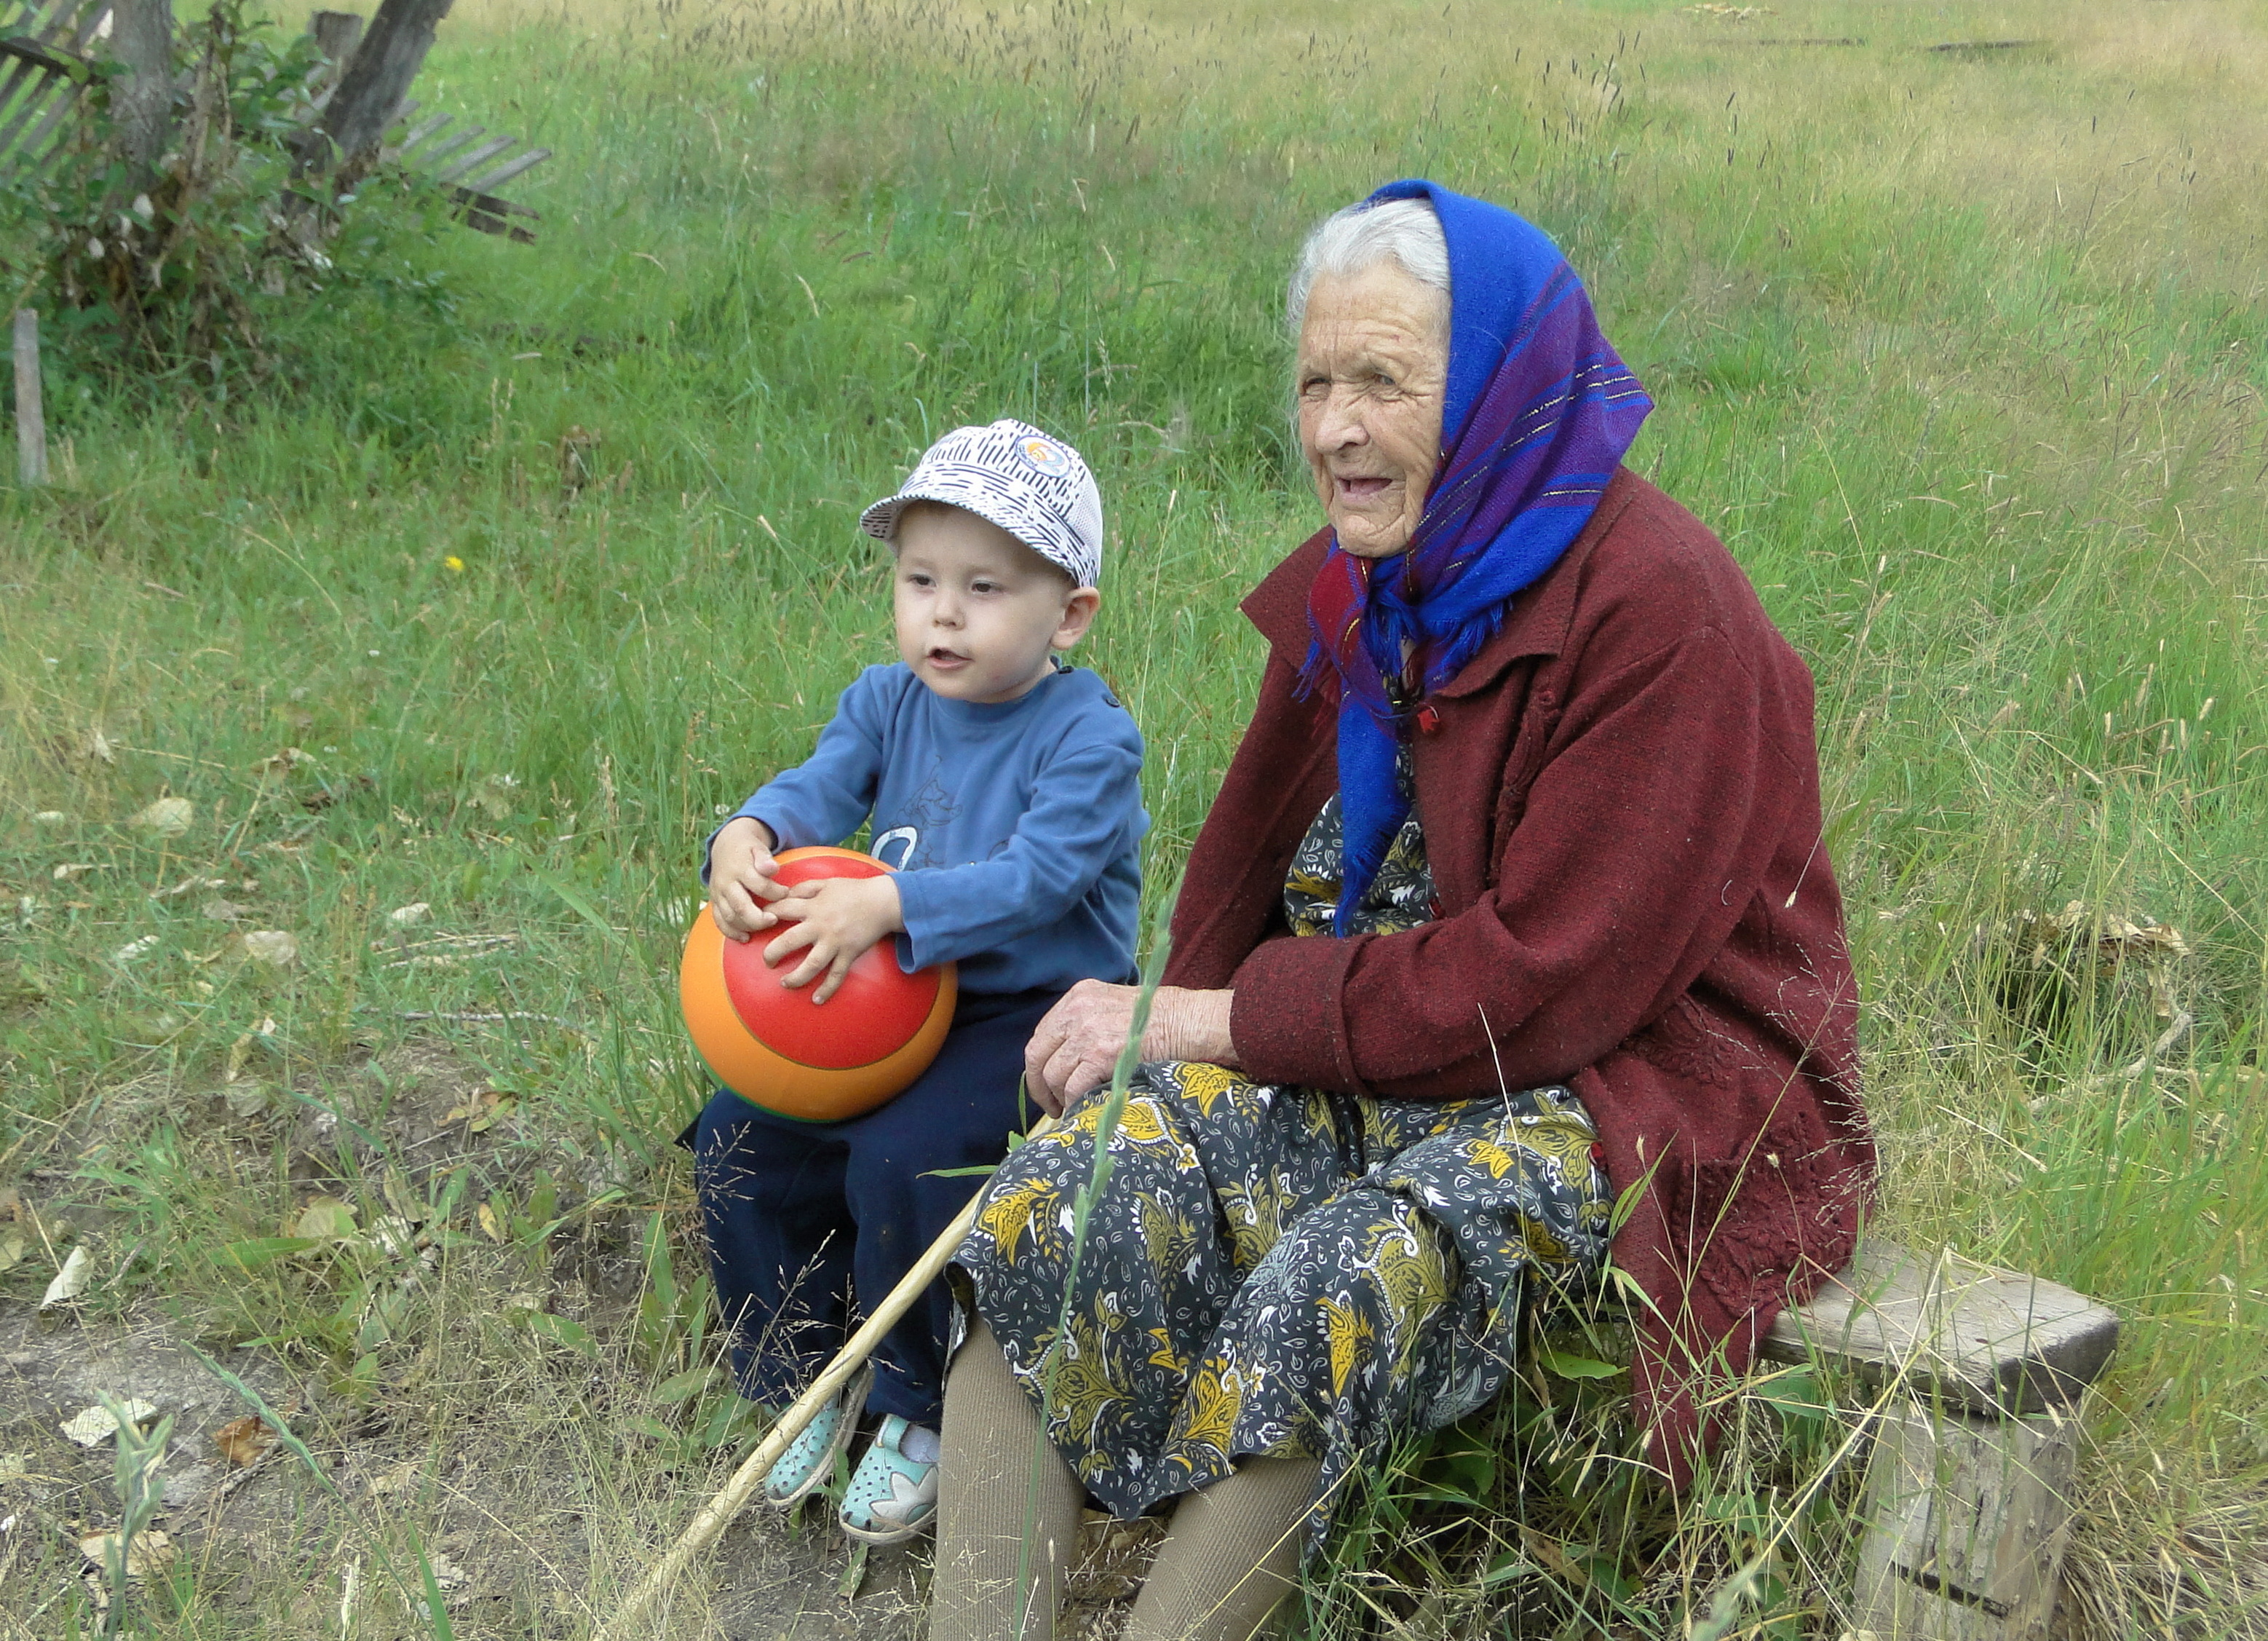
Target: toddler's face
(978, 612)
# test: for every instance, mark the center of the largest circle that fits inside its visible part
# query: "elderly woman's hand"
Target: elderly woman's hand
(1077, 1043)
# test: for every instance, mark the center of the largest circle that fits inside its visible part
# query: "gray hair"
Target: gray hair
(1345, 243)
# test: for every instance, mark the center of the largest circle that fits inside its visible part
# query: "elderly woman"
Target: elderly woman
(1514, 905)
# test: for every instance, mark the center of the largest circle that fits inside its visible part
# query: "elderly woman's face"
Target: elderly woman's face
(1373, 362)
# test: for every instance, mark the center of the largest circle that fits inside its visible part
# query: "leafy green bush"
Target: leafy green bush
(228, 266)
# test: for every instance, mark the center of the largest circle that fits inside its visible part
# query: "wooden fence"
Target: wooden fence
(43, 67)
(46, 48)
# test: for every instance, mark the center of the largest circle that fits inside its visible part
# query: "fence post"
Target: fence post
(376, 79)
(336, 34)
(31, 421)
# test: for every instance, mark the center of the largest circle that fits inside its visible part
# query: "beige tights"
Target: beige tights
(991, 1433)
(1232, 1553)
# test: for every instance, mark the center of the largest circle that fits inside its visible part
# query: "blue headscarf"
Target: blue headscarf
(1536, 415)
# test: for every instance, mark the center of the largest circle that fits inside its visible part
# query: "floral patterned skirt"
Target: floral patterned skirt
(1279, 1271)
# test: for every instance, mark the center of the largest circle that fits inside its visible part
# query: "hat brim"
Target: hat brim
(880, 521)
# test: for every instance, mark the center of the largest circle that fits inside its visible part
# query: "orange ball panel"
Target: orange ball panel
(765, 1078)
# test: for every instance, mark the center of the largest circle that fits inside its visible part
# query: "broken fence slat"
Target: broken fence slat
(72, 20)
(42, 81)
(22, 73)
(89, 24)
(457, 140)
(37, 19)
(473, 199)
(504, 173)
(36, 141)
(26, 48)
(480, 155)
(20, 76)
(418, 134)
(28, 107)
(490, 215)
(30, 85)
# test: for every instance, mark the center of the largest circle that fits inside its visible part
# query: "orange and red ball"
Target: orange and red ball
(820, 1062)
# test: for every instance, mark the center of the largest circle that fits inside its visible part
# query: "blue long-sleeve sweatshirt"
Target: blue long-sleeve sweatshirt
(1016, 827)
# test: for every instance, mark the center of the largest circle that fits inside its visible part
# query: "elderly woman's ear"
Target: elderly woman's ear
(1373, 366)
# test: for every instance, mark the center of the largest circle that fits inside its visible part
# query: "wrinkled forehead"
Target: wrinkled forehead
(1378, 313)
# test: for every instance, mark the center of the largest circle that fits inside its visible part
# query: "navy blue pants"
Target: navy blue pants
(805, 1220)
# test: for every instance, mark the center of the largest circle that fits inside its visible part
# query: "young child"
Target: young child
(1004, 787)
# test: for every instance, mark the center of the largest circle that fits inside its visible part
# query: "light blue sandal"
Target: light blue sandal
(809, 1461)
(891, 1497)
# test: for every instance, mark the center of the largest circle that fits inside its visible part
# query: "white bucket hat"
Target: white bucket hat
(1034, 487)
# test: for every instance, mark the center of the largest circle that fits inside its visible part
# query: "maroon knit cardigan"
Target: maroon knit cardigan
(1620, 795)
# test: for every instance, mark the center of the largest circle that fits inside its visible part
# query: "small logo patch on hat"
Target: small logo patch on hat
(1044, 456)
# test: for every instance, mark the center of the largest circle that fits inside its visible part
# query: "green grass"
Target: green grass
(1960, 351)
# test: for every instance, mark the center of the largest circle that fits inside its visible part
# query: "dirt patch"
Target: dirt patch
(476, 1358)
(507, 1508)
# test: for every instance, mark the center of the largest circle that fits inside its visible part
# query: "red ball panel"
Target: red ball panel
(878, 1009)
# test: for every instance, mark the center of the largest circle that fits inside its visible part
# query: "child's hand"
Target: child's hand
(835, 919)
(740, 886)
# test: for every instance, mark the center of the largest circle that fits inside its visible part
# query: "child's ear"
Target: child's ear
(1079, 615)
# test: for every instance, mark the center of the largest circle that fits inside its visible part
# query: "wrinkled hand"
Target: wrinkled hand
(741, 878)
(835, 920)
(1075, 1047)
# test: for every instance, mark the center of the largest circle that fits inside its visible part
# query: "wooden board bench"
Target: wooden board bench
(1968, 1495)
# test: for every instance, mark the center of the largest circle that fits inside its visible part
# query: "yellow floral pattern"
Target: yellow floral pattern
(1276, 1270)
(1244, 1290)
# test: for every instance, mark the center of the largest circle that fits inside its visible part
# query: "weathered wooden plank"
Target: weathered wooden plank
(26, 48)
(62, 34)
(504, 173)
(456, 140)
(39, 139)
(336, 34)
(30, 420)
(486, 151)
(420, 132)
(34, 101)
(20, 77)
(70, 27)
(1992, 1342)
(1966, 1523)
(29, 91)
(491, 215)
(370, 94)
(24, 76)
(43, 22)
(78, 21)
